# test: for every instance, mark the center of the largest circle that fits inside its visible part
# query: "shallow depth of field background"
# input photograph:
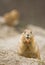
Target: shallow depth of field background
(32, 11)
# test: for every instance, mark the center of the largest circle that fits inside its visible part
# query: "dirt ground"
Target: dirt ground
(9, 37)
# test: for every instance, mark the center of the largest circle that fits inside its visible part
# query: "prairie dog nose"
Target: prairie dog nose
(27, 35)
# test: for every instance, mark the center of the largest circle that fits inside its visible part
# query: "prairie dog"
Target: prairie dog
(27, 46)
(12, 17)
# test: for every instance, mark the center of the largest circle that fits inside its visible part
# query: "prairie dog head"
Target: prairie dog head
(15, 14)
(27, 36)
(12, 14)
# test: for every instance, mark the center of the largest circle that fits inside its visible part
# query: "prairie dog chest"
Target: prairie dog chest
(26, 49)
(29, 49)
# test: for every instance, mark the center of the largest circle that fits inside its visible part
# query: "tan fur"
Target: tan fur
(12, 17)
(28, 49)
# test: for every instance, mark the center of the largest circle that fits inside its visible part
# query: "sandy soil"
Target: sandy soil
(9, 38)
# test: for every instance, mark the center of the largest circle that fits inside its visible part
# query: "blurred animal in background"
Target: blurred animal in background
(11, 18)
(27, 45)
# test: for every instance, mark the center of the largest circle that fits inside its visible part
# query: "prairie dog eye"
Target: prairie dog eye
(31, 32)
(24, 32)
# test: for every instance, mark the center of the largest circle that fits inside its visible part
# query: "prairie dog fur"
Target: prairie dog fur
(27, 46)
(12, 17)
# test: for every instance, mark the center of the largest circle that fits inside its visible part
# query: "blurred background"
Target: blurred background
(32, 11)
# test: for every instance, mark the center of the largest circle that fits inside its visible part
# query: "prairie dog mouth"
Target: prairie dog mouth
(28, 40)
(27, 36)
